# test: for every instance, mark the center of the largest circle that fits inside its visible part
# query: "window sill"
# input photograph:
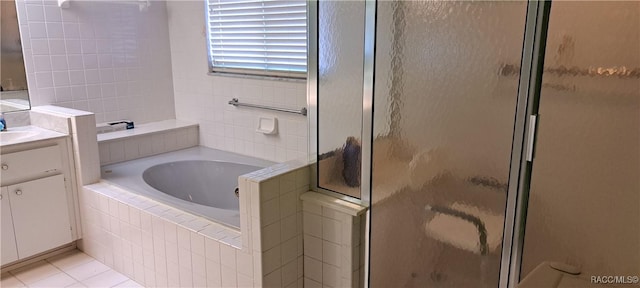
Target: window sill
(258, 77)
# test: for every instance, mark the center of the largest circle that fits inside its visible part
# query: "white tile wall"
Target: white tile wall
(141, 142)
(204, 98)
(333, 237)
(106, 58)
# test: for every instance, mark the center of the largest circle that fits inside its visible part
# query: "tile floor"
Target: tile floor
(71, 269)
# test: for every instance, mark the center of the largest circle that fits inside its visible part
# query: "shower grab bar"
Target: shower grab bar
(235, 102)
(482, 229)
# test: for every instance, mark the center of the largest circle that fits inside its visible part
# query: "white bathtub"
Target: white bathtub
(198, 180)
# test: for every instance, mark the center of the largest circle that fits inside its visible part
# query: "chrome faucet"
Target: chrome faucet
(3, 124)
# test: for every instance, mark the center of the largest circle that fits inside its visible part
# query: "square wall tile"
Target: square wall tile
(48, 31)
(313, 269)
(271, 260)
(333, 248)
(331, 230)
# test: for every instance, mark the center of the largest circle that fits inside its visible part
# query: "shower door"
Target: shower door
(584, 199)
(443, 126)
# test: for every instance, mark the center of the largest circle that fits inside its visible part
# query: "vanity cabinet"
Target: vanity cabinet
(35, 202)
(7, 236)
(40, 215)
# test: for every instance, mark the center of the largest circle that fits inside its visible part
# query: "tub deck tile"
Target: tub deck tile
(197, 224)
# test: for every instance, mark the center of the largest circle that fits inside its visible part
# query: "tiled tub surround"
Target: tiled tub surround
(333, 242)
(155, 244)
(146, 140)
(204, 99)
(274, 209)
(107, 58)
(160, 246)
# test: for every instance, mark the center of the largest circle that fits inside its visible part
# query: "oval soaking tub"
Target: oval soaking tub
(198, 180)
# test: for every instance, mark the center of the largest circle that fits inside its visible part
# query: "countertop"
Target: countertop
(27, 134)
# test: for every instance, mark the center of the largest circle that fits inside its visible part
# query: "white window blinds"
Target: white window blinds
(258, 36)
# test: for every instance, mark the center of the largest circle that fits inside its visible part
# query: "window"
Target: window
(259, 37)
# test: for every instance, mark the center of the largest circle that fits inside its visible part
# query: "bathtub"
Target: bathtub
(197, 180)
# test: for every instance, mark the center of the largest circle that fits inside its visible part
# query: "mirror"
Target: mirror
(14, 95)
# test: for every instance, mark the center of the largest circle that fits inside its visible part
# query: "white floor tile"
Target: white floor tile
(108, 278)
(57, 280)
(86, 270)
(8, 281)
(129, 284)
(71, 269)
(35, 272)
(70, 259)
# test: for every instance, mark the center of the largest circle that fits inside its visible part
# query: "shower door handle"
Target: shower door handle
(531, 137)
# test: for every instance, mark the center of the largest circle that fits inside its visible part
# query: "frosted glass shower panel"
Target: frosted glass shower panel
(585, 181)
(340, 80)
(443, 128)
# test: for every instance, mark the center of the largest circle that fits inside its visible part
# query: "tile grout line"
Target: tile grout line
(14, 277)
(70, 267)
(121, 283)
(46, 262)
(104, 272)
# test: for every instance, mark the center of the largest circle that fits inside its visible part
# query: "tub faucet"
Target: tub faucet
(129, 124)
(3, 123)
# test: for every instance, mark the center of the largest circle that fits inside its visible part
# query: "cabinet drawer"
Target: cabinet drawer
(31, 163)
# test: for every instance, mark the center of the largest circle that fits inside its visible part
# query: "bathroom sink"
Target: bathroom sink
(22, 134)
(13, 136)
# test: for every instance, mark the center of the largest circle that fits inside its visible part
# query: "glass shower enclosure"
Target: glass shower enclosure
(488, 139)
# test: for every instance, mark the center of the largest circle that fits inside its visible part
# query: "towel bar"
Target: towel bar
(236, 103)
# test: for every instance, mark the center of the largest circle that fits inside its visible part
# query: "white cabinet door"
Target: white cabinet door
(9, 250)
(40, 215)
